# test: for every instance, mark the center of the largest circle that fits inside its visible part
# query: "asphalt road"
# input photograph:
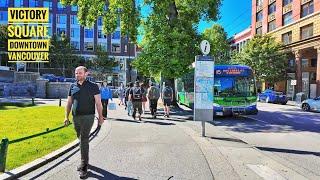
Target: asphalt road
(284, 133)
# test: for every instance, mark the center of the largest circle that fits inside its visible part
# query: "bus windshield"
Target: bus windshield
(234, 86)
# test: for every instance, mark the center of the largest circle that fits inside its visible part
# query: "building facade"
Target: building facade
(239, 40)
(84, 40)
(295, 23)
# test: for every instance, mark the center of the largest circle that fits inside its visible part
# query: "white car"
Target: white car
(311, 104)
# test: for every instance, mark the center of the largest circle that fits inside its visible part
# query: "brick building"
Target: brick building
(295, 23)
(84, 40)
(239, 40)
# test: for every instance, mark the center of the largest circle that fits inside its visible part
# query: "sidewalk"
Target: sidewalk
(166, 149)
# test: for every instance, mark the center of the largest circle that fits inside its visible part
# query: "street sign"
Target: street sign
(293, 82)
(205, 47)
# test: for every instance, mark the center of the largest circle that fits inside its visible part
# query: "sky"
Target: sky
(235, 16)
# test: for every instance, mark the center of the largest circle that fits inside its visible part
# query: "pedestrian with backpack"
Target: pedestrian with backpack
(129, 102)
(153, 96)
(167, 98)
(135, 96)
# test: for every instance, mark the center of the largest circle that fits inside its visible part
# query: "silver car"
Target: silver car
(311, 104)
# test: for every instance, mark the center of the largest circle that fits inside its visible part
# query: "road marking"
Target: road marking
(265, 172)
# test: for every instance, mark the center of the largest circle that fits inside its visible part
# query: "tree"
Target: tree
(219, 46)
(61, 54)
(3, 44)
(265, 56)
(102, 64)
(170, 38)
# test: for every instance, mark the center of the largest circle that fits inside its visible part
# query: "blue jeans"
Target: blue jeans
(129, 108)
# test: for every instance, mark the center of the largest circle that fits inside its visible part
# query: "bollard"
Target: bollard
(32, 101)
(3, 153)
(60, 102)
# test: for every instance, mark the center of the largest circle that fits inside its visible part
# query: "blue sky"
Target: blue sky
(235, 16)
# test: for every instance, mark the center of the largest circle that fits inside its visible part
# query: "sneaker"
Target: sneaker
(134, 118)
(83, 174)
(140, 118)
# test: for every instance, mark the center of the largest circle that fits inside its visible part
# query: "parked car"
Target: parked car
(311, 104)
(270, 96)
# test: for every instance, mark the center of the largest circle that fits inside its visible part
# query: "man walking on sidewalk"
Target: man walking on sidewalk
(128, 102)
(167, 98)
(153, 96)
(83, 97)
(106, 94)
(136, 98)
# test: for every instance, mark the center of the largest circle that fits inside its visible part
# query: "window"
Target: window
(74, 8)
(259, 2)
(116, 48)
(307, 9)
(313, 62)
(61, 31)
(259, 16)
(4, 3)
(313, 76)
(74, 32)
(286, 2)
(291, 63)
(272, 25)
(3, 15)
(304, 63)
(287, 38)
(50, 18)
(306, 31)
(118, 22)
(103, 46)
(47, 3)
(50, 31)
(61, 19)
(125, 48)
(287, 18)
(18, 3)
(61, 7)
(259, 31)
(75, 45)
(100, 34)
(100, 20)
(272, 8)
(116, 35)
(33, 3)
(74, 19)
(88, 33)
(105, 7)
(88, 46)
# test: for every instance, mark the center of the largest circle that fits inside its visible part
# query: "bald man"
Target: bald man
(83, 97)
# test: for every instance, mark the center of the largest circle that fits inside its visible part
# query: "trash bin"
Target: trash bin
(300, 97)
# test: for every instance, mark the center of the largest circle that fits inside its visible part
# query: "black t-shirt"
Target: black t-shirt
(131, 93)
(83, 98)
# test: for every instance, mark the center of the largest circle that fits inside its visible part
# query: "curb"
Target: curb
(29, 167)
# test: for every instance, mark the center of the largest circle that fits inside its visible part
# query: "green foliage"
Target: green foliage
(265, 56)
(3, 38)
(219, 46)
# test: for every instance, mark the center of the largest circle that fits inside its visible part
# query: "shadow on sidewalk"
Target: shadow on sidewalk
(158, 123)
(98, 173)
(290, 151)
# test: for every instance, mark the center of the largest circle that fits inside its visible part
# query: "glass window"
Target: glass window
(61, 31)
(75, 45)
(100, 21)
(61, 19)
(307, 9)
(105, 7)
(116, 35)
(272, 8)
(4, 3)
(313, 62)
(291, 63)
(103, 46)
(74, 8)
(259, 31)
(88, 33)
(234, 86)
(304, 63)
(259, 16)
(49, 31)
(306, 31)
(88, 46)
(100, 34)
(50, 18)
(74, 19)
(116, 48)
(18, 3)
(47, 3)
(287, 38)
(74, 32)
(33, 3)
(60, 6)
(259, 2)
(3, 15)
(272, 25)
(286, 2)
(287, 18)
(125, 48)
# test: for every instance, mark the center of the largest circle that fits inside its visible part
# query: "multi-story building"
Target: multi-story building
(295, 23)
(239, 40)
(84, 40)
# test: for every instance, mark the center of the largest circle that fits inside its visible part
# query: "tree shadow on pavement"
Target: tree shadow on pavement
(98, 173)
(124, 120)
(158, 123)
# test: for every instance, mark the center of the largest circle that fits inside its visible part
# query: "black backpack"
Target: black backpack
(167, 93)
(137, 93)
